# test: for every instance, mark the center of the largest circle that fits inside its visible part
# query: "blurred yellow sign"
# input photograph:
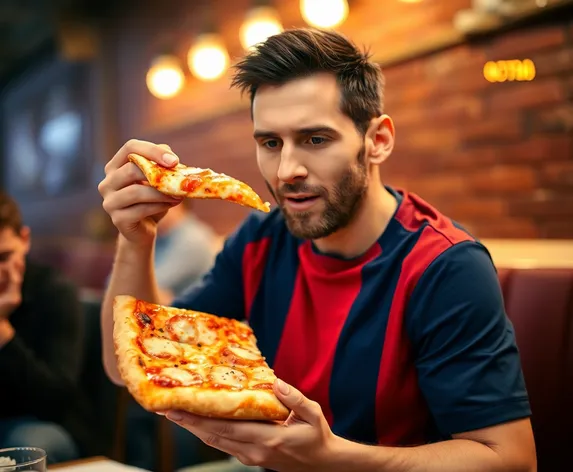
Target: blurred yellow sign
(509, 71)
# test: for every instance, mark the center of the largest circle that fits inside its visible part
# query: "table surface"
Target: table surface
(64, 465)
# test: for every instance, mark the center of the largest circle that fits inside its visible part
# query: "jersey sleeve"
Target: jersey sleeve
(220, 290)
(468, 363)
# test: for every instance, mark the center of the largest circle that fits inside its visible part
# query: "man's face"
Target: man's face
(310, 154)
(13, 249)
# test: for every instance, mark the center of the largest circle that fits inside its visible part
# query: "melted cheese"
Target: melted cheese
(205, 336)
(184, 377)
(184, 330)
(193, 170)
(228, 376)
(244, 353)
(161, 347)
(262, 374)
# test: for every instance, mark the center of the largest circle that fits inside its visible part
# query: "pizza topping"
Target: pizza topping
(262, 373)
(244, 353)
(206, 334)
(190, 184)
(262, 386)
(239, 332)
(234, 355)
(184, 377)
(143, 318)
(182, 329)
(223, 376)
(161, 347)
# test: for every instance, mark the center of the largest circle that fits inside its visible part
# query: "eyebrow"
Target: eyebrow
(259, 134)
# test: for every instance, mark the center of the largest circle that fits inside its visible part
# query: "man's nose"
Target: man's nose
(291, 167)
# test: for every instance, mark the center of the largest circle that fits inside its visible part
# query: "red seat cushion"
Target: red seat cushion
(540, 305)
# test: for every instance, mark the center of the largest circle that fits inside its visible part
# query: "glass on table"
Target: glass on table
(19, 459)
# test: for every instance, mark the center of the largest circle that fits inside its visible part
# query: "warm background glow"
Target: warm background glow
(260, 23)
(165, 78)
(324, 13)
(208, 58)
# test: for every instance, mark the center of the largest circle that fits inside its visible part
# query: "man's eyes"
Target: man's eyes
(271, 144)
(317, 140)
(313, 141)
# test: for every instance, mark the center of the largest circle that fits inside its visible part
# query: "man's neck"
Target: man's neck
(367, 226)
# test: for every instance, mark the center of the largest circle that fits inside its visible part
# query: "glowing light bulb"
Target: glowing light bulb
(259, 24)
(208, 58)
(324, 13)
(165, 77)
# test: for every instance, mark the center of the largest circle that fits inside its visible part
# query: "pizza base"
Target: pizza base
(246, 404)
(206, 183)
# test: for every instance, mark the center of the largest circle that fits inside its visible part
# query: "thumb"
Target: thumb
(303, 408)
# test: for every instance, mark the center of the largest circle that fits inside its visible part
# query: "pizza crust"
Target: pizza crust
(245, 404)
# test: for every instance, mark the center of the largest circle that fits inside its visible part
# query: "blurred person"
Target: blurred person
(382, 318)
(40, 347)
(184, 250)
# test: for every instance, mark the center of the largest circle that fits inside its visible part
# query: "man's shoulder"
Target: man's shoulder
(430, 228)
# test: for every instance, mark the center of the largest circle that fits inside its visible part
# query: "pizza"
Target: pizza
(194, 182)
(176, 359)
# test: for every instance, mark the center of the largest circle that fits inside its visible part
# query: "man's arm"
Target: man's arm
(44, 376)
(503, 448)
(469, 372)
(132, 274)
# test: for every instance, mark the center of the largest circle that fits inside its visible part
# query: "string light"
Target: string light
(260, 23)
(324, 13)
(208, 58)
(165, 78)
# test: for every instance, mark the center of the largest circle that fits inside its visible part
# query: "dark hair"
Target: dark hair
(10, 216)
(302, 52)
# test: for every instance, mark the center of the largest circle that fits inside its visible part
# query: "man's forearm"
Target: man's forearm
(133, 275)
(457, 455)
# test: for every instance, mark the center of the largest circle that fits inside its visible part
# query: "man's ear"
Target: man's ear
(380, 139)
(25, 236)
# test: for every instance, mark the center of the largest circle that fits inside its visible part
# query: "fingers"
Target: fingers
(133, 195)
(122, 177)
(128, 218)
(243, 431)
(305, 409)
(160, 153)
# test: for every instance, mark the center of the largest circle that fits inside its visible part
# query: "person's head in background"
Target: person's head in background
(174, 216)
(317, 110)
(14, 240)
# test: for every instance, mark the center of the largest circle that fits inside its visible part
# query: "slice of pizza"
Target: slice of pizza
(194, 182)
(170, 358)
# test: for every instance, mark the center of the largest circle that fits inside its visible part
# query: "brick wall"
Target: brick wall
(496, 157)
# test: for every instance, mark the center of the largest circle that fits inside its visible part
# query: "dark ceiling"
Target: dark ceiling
(28, 28)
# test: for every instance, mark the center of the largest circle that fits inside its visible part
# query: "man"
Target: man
(382, 318)
(40, 346)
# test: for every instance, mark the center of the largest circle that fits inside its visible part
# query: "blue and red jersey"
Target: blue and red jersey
(407, 344)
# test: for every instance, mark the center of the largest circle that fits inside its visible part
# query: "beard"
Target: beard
(341, 203)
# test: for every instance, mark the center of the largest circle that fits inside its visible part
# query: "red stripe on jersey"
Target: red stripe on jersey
(324, 292)
(400, 406)
(415, 212)
(254, 259)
